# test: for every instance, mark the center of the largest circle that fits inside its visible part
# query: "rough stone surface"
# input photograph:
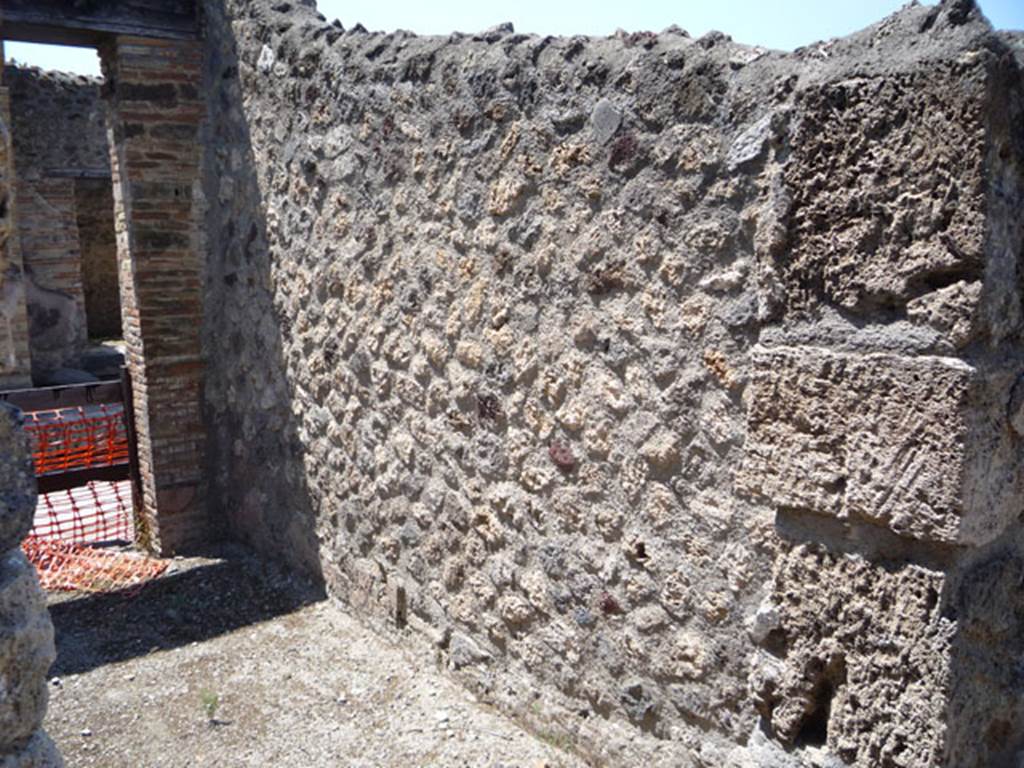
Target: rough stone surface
(875, 641)
(26, 634)
(59, 122)
(15, 362)
(556, 333)
(892, 440)
(17, 480)
(26, 651)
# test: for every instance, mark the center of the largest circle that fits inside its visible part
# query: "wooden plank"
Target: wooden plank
(85, 22)
(65, 481)
(77, 173)
(71, 396)
(134, 472)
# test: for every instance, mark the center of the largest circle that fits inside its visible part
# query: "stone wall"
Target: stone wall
(668, 385)
(26, 634)
(59, 122)
(54, 290)
(59, 135)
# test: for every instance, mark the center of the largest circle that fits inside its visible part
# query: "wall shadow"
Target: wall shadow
(235, 590)
(252, 429)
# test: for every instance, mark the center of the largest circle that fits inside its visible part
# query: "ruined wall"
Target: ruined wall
(26, 634)
(663, 382)
(59, 122)
(59, 133)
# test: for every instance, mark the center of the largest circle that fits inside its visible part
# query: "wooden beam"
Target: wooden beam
(86, 22)
(71, 396)
(76, 478)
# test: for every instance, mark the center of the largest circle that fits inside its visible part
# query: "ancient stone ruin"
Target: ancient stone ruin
(674, 388)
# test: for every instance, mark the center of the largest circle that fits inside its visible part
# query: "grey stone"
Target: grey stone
(26, 651)
(751, 144)
(17, 480)
(267, 59)
(605, 121)
(463, 652)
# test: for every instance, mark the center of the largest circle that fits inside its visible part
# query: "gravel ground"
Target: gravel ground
(228, 662)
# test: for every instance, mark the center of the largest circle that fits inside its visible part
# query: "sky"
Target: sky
(784, 24)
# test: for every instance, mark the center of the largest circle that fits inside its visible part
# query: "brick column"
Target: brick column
(15, 362)
(155, 116)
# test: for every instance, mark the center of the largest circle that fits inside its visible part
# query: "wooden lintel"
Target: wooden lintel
(69, 396)
(88, 22)
(76, 478)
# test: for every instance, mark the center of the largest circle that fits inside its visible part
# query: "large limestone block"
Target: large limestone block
(882, 209)
(26, 652)
(861, 668)
(919, 445)
(17, 480)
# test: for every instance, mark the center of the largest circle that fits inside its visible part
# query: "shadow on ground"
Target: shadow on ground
(203, 598)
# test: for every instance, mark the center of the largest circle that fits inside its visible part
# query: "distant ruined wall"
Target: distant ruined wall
(59, 132)
(670, 386)
(59, 122)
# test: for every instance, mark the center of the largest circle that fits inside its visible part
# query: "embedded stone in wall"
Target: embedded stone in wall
(909, 443)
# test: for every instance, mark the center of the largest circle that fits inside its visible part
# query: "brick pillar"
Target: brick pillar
(155, 116)
(15, 362)
(48, 238)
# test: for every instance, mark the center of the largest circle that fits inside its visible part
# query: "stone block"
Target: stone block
(26, 651)
(909, 226)
(915, 444)
(844, 660)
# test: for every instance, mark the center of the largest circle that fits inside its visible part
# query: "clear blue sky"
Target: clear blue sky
(785, 24)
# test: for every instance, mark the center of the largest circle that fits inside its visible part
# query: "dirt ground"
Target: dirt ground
(227, 661)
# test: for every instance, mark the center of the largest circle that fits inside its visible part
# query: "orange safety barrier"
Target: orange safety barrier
(96, 513)
(72, 523)
(65, 566)
(77, 438)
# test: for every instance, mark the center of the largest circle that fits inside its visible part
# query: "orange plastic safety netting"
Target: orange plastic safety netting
(77, 438)
(75, 530)
(99, 512)
(64, 566)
